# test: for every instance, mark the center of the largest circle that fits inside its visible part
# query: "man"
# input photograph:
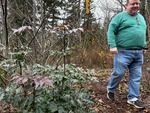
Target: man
(127, 39)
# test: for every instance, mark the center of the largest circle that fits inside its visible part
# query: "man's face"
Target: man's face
(133, 6)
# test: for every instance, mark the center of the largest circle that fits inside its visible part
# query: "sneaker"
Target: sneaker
(138, 104)
(110, 96)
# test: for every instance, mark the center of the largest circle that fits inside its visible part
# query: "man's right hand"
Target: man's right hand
(114, 50)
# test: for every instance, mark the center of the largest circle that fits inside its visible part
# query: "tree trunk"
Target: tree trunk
(5, 29)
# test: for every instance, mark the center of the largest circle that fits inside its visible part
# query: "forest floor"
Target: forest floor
(103, 105)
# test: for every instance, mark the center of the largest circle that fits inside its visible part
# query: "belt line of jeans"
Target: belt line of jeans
(133, 49)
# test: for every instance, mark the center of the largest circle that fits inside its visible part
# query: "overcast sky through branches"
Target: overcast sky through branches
(102, 7)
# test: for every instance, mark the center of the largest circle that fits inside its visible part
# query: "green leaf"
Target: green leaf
(2, 96)
(61, 110)
(80, 102)
(53, 107)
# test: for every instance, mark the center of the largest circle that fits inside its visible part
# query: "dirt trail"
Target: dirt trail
(103, 105)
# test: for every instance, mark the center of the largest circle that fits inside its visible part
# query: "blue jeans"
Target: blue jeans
(123, 60)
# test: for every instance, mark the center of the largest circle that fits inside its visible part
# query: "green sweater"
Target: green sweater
(127, 32)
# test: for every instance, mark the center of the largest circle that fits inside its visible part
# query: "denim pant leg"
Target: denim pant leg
(135, 69)
(121, 62)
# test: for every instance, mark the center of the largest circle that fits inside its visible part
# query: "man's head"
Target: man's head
(133, 6)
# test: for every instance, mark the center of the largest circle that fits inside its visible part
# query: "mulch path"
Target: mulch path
(103, 105)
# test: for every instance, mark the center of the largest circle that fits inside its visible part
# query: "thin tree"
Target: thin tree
(5, 28)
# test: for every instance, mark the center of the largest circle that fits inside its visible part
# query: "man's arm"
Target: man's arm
(111, 33)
